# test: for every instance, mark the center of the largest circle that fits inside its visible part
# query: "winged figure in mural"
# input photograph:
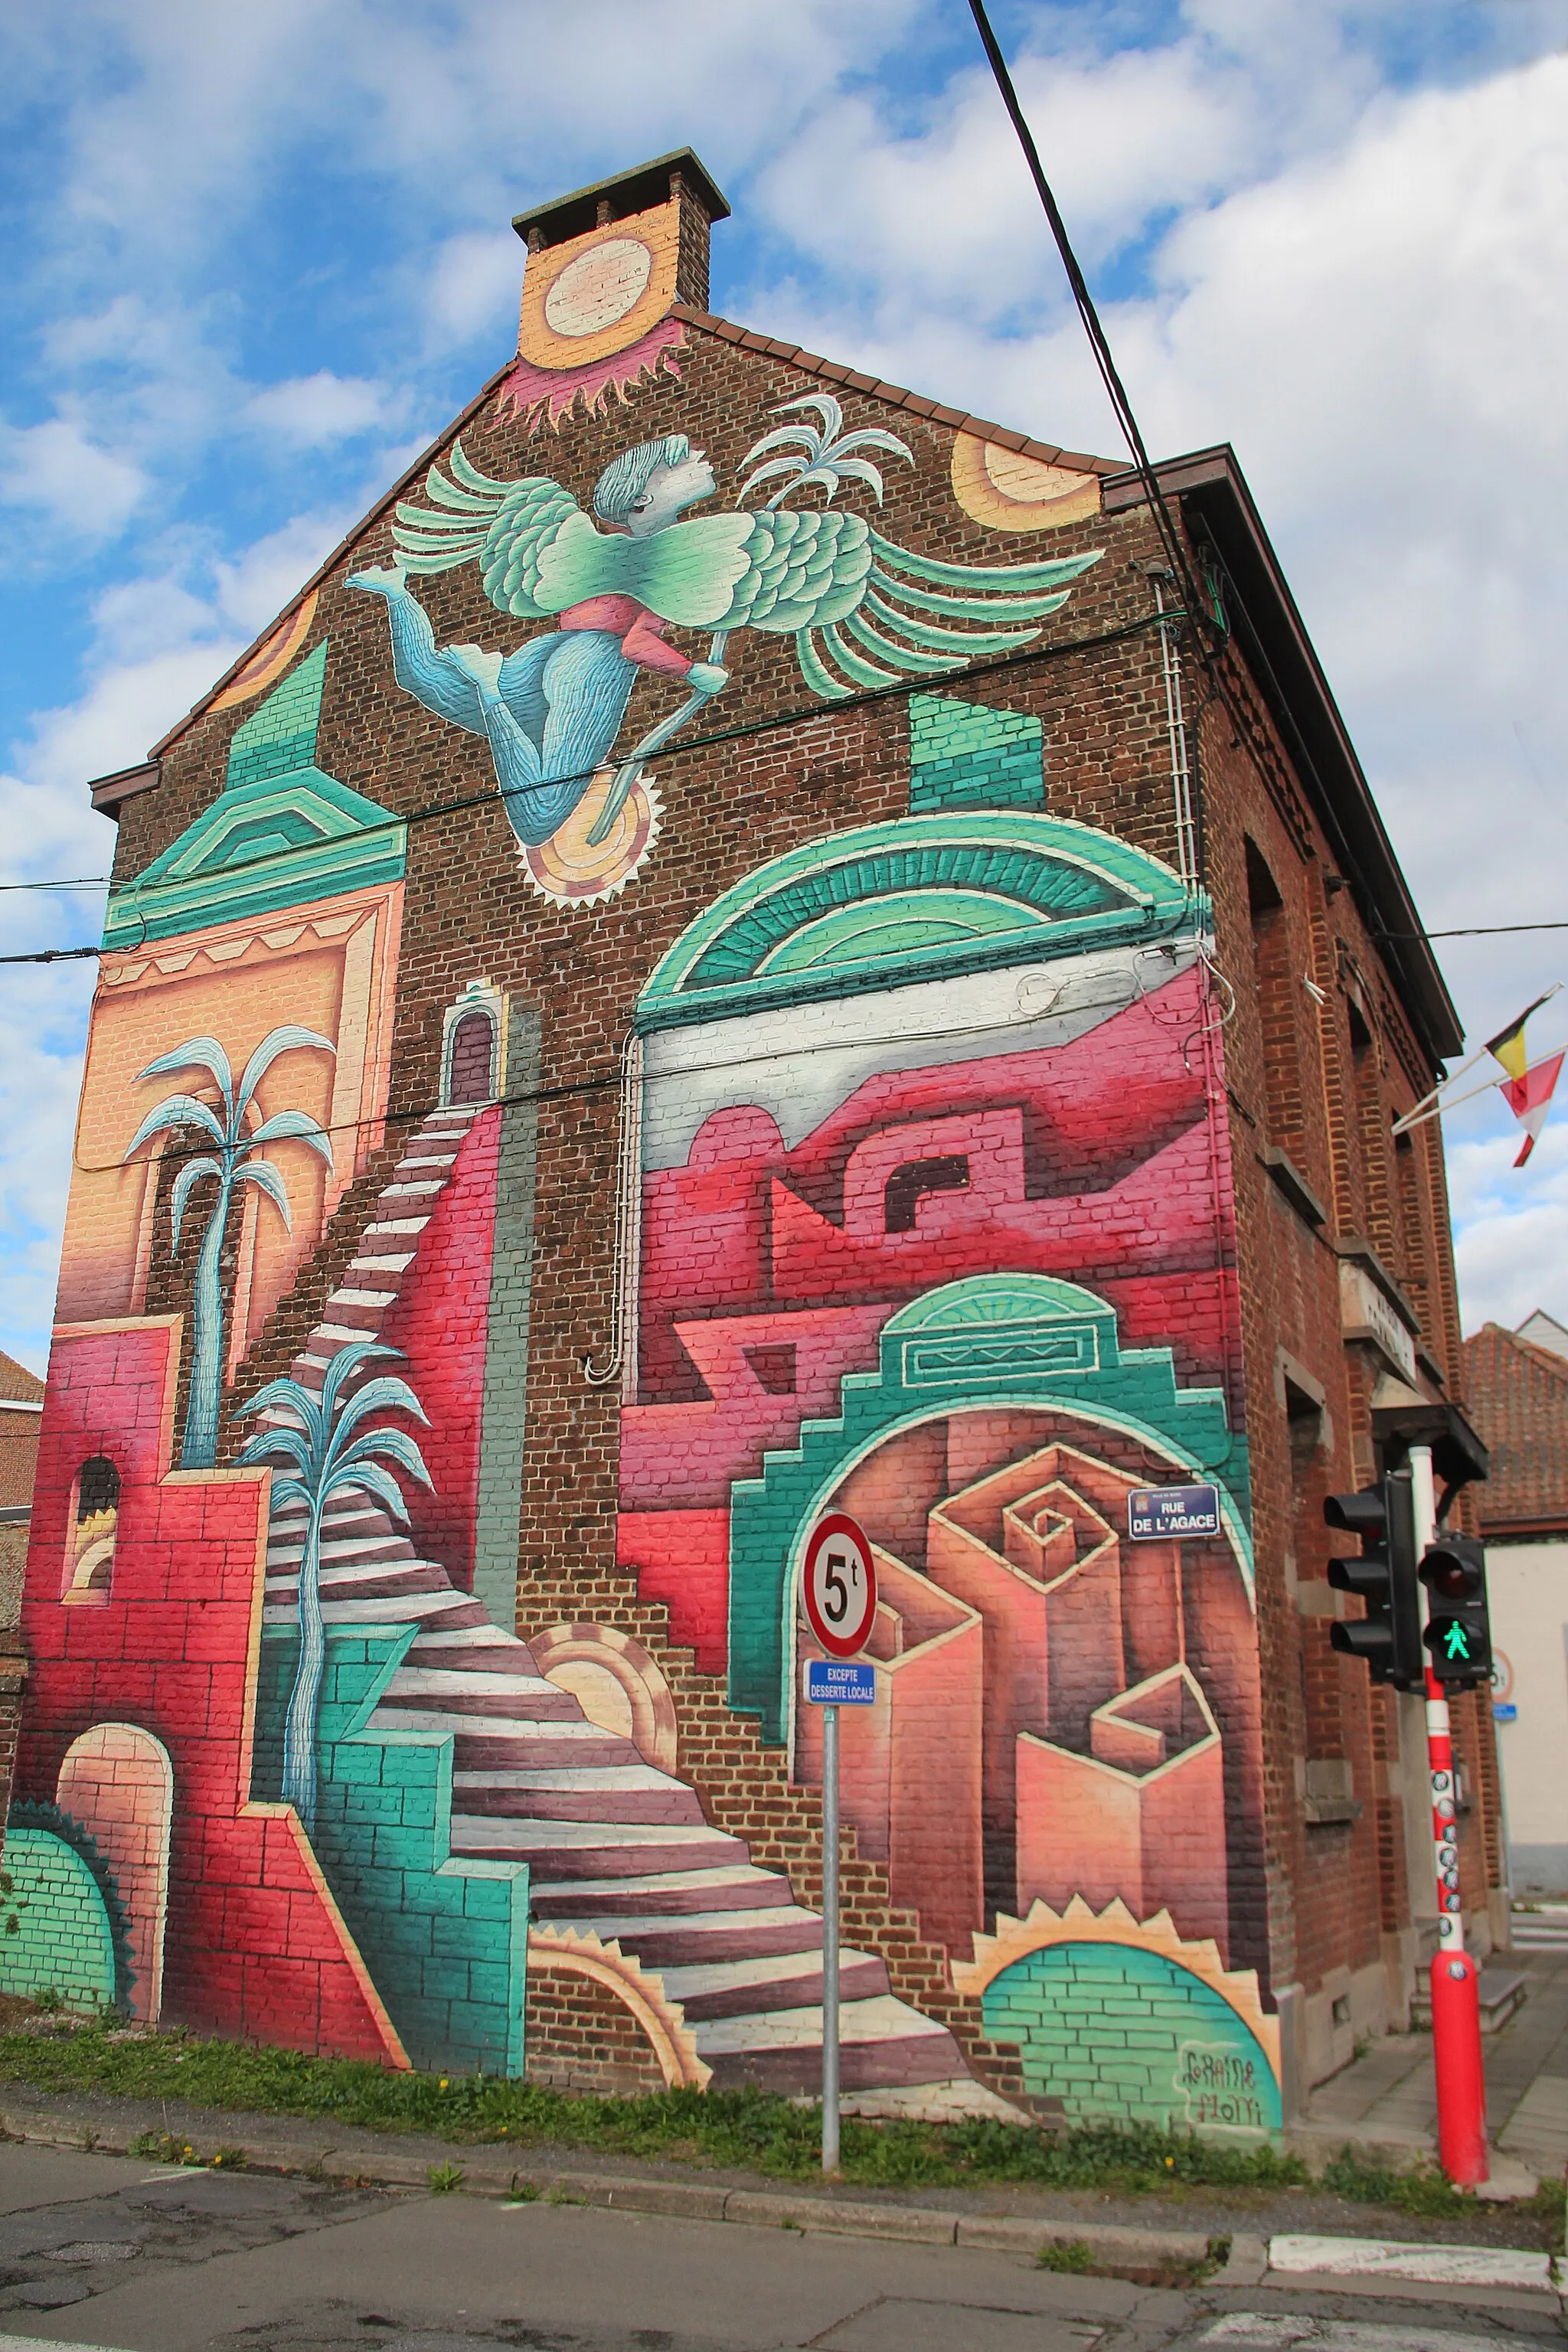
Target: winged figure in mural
(862, 611)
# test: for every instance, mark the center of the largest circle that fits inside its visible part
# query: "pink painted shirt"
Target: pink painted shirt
(641, 633)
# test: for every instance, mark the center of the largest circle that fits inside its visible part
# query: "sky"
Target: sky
(258, 257)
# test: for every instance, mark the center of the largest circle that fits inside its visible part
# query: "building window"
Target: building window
(471, 1047)
(95, 1514)
(1412, 1222)
(1371, 1127)
(1275, 1004)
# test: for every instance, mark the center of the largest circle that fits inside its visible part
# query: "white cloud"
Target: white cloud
(259, 582)
(77, 485)
(474, 283)
(1512, 1224)
(312, 410)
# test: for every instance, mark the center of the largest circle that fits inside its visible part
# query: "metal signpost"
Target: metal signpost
(838, 1587)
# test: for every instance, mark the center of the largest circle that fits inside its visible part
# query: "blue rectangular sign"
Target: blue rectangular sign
(830, 1684)
(1504, 1711)
(1156, 1514)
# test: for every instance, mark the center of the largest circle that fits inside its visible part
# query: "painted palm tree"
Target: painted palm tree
(332, 1453)
(234, 1162)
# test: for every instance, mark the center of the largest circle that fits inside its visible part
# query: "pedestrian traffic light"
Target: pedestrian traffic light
(1388, 1638)
(1458, 1627)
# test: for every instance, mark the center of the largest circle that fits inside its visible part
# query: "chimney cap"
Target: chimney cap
(636, 190)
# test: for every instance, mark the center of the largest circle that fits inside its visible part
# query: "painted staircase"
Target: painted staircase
(617, 1849)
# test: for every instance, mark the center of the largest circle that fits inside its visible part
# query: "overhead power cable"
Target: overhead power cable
(1098, 340)
(809, 715)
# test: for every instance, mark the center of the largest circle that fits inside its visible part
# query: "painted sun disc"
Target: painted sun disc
(598, 287)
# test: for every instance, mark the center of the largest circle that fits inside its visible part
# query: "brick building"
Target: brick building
(728, 928)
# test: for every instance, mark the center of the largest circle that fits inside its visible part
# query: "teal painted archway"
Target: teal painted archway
(995, 1341)
(923, 896)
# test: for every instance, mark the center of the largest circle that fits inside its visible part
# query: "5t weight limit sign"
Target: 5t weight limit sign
(839, 1585)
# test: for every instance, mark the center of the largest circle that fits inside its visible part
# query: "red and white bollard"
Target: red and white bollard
(1456, 2056)
(1455, 1978)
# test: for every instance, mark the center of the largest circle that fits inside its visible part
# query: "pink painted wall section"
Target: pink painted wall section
(440, 1322)
(255, 1947)
(683, 1559)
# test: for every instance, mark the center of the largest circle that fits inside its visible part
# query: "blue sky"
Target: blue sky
(258, 257)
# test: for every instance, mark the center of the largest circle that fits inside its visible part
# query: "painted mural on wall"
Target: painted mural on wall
(923, 1215)
(861, 611)
(929, 1231)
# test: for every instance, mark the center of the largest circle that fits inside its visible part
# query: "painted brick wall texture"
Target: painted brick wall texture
(1115, 2031)
(62, 1940)
(941, 1195)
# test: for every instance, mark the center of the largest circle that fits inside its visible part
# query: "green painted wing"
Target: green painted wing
(507, 528)
(910, 622)
(863, 611)
(770, 571)
(538, 554)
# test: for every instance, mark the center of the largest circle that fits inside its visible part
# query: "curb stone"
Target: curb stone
(1112, 2246)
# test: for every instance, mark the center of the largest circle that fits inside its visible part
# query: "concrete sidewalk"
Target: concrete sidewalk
(1389, 2094)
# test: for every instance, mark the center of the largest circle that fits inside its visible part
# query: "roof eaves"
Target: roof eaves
(1292, 681)
(895, 395)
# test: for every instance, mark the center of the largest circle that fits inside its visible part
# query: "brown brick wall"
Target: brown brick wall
(578, 2036)
(1290, 1061)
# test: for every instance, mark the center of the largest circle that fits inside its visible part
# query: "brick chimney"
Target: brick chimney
(679, 178)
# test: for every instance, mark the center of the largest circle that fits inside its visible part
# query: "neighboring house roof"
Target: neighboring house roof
(17, 1384)
(1543, 1330)
(1518, 1401)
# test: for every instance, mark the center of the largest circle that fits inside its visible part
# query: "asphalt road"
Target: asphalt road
(105, 2251)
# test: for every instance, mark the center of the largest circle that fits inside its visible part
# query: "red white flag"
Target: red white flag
(1529, 1097)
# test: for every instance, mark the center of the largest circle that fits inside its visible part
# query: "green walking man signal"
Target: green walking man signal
(1458, 1626)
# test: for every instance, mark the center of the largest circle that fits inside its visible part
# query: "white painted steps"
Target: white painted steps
(617, 1848)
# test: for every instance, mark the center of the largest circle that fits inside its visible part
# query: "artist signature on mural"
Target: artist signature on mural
(1221, 2086)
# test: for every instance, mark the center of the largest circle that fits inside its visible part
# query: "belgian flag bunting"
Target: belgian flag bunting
(1526, 1091)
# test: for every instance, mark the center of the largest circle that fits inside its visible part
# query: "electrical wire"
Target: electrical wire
(802, 714)
(411, 1117)
(80, 882)
(1099, 343)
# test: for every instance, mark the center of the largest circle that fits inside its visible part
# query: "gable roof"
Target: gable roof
(17, 1384)
(1519, 1402)
(1211, 487)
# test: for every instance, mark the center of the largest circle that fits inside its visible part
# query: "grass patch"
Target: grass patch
(444, 2179)
(1072, 2255)
(1429, 2194)
(751, 2130)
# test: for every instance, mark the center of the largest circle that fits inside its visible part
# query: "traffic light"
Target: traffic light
(1388, 1638)
(1458, 1629)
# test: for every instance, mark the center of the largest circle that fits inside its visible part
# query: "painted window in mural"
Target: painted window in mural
(473, 1053)
(94, 1518)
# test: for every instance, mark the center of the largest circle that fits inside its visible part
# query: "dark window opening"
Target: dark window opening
(1371, 1129)
(469, 1070)
(1304, 1419)
(90, 1559)
(1276, 1006)
(906, 1184)
(1412, 1222)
